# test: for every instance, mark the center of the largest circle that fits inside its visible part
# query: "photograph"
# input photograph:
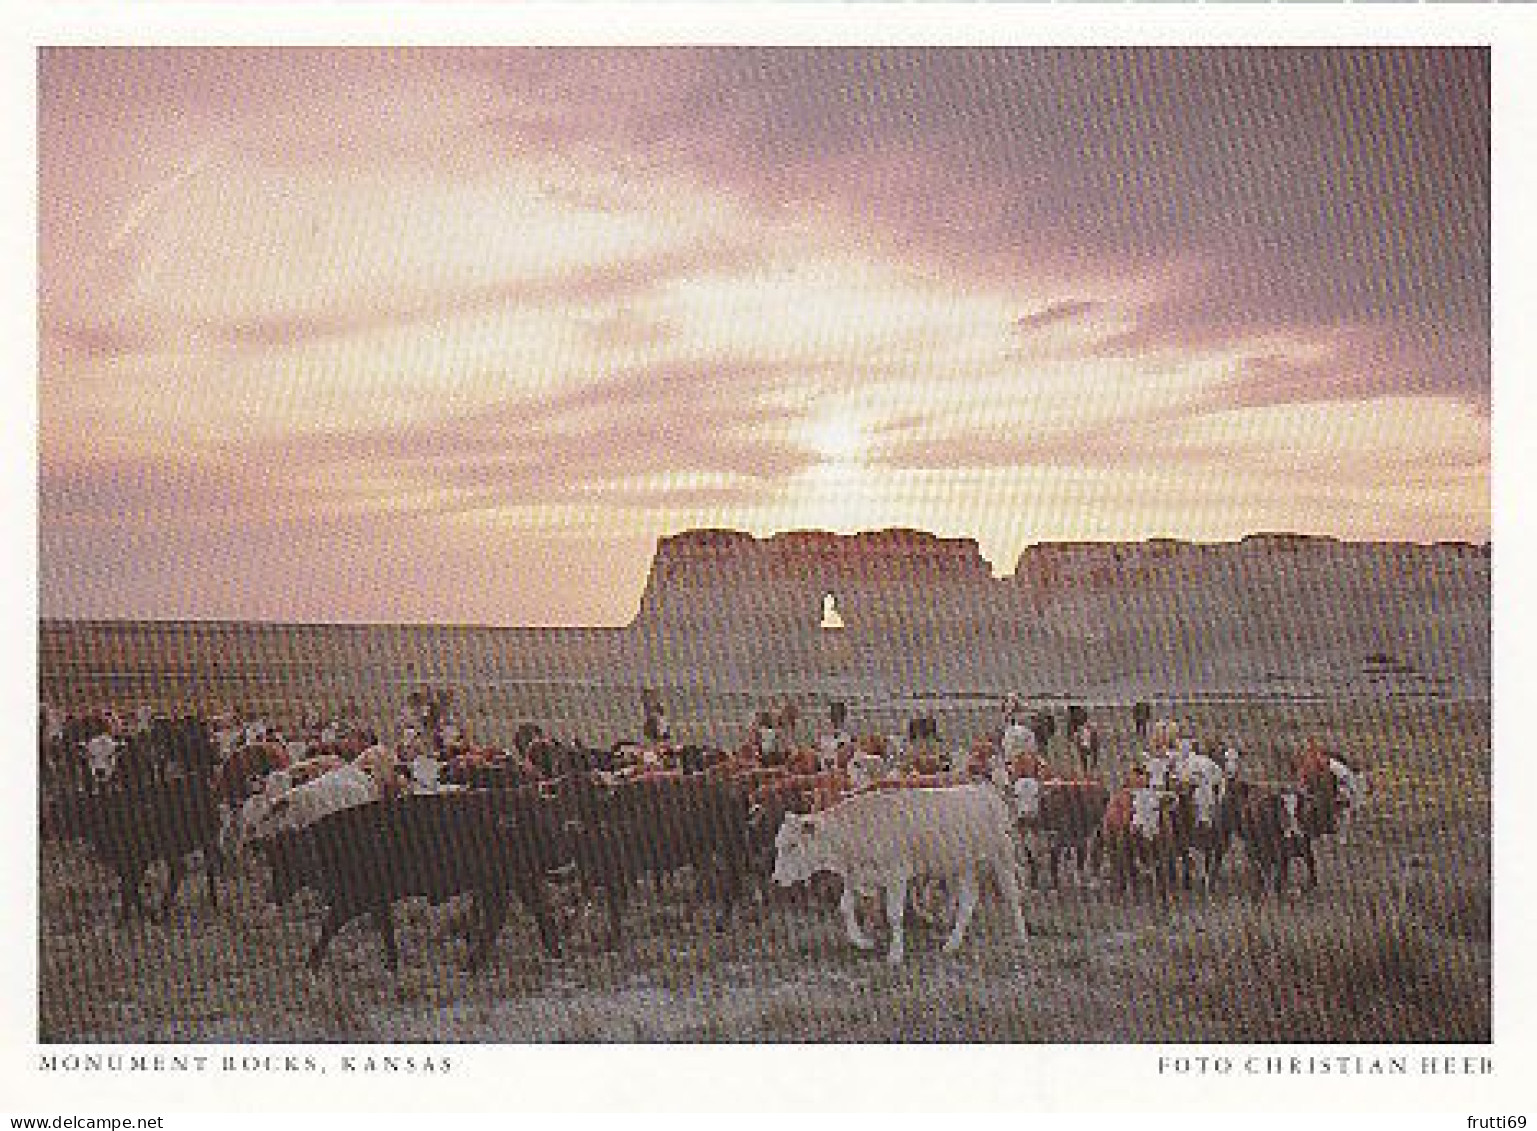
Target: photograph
(717, 544)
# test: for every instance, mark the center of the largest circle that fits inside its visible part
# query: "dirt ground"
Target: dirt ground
(1394, 945)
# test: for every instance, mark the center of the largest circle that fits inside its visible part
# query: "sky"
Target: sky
(453, 335)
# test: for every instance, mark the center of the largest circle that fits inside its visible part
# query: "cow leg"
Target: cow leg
(1024, 848)
(176, 869)
(896, 907)
(384, 919)
(849, 906)
(1163, 866)
(615, 892)
(1054, 864)
(332, 923)
(1312, 865)
(213, 866)
(964, 910)
(730, 880)
(536, 898)
(1007, 876)
(493, 915)
(131, 888)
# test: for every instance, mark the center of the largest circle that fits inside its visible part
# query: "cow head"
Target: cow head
(1147, 812)
(799, 849)
(1027, 799)
(1294, 810)
(101, 755)
(1203, 804)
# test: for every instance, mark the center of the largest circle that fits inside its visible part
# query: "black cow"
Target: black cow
(1274, 826)
(1141, 715)
(129, 827)
(1043, 726)
(619, 833)
(362, 860)
(183, 746)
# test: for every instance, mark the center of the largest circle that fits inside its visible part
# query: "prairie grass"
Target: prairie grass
(1394, 945)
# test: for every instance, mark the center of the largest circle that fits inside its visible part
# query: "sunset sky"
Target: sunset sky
(452, 335)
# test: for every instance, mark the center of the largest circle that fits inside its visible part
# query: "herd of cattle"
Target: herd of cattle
(364, 824)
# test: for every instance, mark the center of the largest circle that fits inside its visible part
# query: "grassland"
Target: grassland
(1394, 946)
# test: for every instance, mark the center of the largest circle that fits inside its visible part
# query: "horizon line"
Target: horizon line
(636, 618)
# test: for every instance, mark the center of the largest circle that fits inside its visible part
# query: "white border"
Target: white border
(851, 1078)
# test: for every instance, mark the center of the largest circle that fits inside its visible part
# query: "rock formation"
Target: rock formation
(728, 580)
(1278, 611)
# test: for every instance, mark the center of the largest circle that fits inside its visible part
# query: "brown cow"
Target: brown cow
(1138, 833)
(1274, 826)
(1069, 819)
(234, 781)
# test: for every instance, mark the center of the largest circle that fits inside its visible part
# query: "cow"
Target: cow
(865, 770)
(1141, 715)
(1273, 824)
(101, 755)
(1204, 826)
(617, 833)
(382, 765)
(1067, 817)
(314, 767)
(278, 809)
(1334, 790)
(1043, 724)
(886, 839)
(1351, 787)
(130, 827)
(182, 746)
(1019, 741)
(1138, 832)
(363, 860)
(1084, 739)
(236, 779)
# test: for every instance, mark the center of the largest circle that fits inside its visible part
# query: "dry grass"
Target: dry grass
(1394, 946)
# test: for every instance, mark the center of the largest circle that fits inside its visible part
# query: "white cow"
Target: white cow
(865, 769)
(1196, 770)
(829, 746)
(427, 776)
(277, 810)
(1026, 793)
(1018, 741)
(1352, 792)
(883, 840)
(1158, 767)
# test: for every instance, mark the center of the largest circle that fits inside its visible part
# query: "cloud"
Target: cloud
(1067, 310)
(591, 289)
